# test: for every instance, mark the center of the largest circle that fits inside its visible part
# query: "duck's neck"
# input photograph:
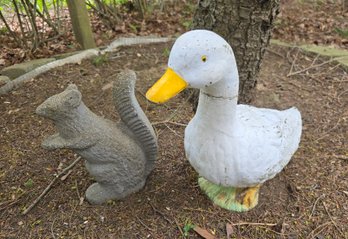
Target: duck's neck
(217, 103)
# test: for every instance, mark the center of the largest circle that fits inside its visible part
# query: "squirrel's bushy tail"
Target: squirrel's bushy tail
(134, 117)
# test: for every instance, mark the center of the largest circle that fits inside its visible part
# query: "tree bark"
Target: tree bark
(247, 26)
(81, 24)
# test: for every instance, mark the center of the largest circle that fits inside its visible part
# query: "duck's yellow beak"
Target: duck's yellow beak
(167, 87)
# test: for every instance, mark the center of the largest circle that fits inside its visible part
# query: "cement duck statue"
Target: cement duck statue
(233, 147)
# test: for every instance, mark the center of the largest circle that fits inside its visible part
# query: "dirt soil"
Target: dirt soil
(308, 199)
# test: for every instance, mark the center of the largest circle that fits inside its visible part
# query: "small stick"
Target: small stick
(178, 226)
(253, 224)
(313, 233)
(161, 213)
(274, 52)
(315, 204)
(198, 210)
(173, 131)
(142, 223)
(169, 122)
(310, 67)
(50, 186)
(52, 232)
(333, 222)
(293, 63)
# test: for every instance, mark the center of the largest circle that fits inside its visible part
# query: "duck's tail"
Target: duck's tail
(134, 117)
(292, 130)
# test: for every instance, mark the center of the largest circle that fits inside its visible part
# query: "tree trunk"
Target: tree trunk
(247, 26)
(81, 24)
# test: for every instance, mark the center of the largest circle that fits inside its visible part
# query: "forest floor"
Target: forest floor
(308, 199)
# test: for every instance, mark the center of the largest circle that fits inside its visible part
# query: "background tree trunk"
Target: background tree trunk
(247, 26)
(81, 24)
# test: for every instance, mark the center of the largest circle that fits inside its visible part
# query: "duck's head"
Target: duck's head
(198, 59)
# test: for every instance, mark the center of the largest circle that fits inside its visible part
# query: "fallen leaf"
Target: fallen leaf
(203, 233)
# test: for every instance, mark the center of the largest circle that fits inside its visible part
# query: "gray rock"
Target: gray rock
(119, 156)
(17, 70)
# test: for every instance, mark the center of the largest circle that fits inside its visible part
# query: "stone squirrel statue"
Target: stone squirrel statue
(119, 156)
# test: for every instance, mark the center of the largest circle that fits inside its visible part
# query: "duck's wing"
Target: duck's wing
(268, 139)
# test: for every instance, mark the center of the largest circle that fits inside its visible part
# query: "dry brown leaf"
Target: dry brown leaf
(203, 233)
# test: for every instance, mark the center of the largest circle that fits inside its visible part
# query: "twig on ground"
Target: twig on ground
(315, 59)
(50, 186)
(325, 134)
(178, 226)
(81, 199)
(160, 213)
(310, 67)
(169, 122)
(52, 226)
(11, 203)
(254, 224)
(258, 224)
(316, 231)
(333, 222)
(173, 131)
(275, 53)
(142, 223)
(293, 62)
(315, 204)
(198, 210)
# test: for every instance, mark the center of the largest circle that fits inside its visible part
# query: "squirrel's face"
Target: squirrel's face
(61, 105)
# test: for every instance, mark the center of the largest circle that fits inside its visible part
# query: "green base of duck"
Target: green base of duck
(231, 198)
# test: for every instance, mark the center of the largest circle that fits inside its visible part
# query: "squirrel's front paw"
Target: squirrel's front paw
(53, 142)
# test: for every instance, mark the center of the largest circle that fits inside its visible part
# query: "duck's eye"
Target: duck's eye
(204, 58)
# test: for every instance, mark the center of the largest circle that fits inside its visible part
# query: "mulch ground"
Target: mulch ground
(308, 199)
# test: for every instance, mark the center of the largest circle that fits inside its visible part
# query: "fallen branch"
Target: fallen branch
(253, 224)
(311, 67)
(14, 84)
(50, 186)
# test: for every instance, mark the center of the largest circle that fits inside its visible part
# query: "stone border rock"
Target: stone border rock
(31, 71)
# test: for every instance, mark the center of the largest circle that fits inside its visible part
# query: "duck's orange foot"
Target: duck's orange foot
(231, 198)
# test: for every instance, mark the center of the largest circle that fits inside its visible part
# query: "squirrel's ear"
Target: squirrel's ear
(73, 98)
(71, 87)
